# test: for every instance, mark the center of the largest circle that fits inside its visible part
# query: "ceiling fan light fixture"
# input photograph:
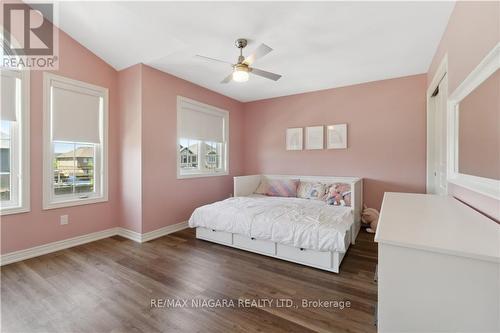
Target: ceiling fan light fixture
(241, 70)
(240, 73)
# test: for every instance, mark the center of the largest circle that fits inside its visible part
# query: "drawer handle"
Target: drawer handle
(302, 249)
(213, 230)
(252, 238)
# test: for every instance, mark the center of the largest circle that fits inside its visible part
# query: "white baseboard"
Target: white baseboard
(36, 251)
(163, 231)
(55, 246)
(129, 234)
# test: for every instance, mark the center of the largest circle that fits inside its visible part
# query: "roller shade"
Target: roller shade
(9, 97)
(198, 124)
(75, 115)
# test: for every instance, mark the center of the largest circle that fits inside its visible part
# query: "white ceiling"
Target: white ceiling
(316, 45)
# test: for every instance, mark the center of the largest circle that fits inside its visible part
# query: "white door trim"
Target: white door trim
(441, 72)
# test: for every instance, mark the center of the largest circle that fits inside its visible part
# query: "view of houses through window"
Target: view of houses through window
(14, 145)
(5, 160)
(200, 155)
(73, 168)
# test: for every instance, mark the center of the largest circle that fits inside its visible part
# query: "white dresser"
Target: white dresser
(438, 266)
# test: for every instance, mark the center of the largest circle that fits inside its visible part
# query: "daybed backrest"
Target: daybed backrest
(246, 185)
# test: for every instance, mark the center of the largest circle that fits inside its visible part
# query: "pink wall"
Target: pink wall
(166, 199)
(386, 135)
(473, 30)
(130, 185)
(20, 231)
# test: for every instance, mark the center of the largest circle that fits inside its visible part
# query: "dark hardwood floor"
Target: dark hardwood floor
(108, 285)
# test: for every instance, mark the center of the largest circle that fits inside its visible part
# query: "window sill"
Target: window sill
(202, 175)
(14, 210)
(74, 202)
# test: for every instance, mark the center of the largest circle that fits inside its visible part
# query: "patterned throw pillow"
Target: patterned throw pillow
(310, 190)
(282, 187)
(339, 194)
(262, 189)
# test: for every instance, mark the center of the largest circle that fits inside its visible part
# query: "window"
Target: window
(73, 168)
(14, 141)
(202, 139)
(75, 142)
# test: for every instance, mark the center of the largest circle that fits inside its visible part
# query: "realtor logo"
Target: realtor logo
(30, 39)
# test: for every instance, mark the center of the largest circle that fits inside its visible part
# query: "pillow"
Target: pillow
(262, 189)
(339, 194)
(310, 190)
(282, 187)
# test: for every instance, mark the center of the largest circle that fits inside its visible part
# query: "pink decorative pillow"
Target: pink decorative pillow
(339, 194)
(282, 187)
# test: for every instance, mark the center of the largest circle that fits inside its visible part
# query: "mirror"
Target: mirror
(479, 130)
(474, 129)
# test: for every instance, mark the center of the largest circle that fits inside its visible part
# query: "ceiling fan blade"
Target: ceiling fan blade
(228, 78)
(267, 75)
(259, 52)
(213, 60)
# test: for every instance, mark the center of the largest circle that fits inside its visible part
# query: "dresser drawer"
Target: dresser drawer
(253, 244)
(306, 256)
(214, 235)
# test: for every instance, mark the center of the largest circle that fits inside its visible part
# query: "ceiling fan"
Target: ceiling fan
(241, 70)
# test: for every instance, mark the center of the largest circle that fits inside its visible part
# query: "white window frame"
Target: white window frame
(20, 151)
(201, 171)
(50, 200)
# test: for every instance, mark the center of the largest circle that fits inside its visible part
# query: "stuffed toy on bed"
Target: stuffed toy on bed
(369, 217)
(339, 194)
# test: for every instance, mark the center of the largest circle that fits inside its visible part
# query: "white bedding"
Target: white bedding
(309, 224)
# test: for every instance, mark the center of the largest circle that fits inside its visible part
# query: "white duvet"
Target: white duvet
(309, 224)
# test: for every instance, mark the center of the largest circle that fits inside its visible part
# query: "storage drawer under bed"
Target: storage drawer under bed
(215, 235)
(306, 256)
(256, 245)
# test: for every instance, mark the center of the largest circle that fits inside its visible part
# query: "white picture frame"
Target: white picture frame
(294, 138)
(336, 136)
(314, 137)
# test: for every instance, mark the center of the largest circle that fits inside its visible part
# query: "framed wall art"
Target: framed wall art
(314, 137)
(336, 136)
(294, 137)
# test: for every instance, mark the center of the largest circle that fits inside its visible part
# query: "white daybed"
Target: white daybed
(212, 222)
